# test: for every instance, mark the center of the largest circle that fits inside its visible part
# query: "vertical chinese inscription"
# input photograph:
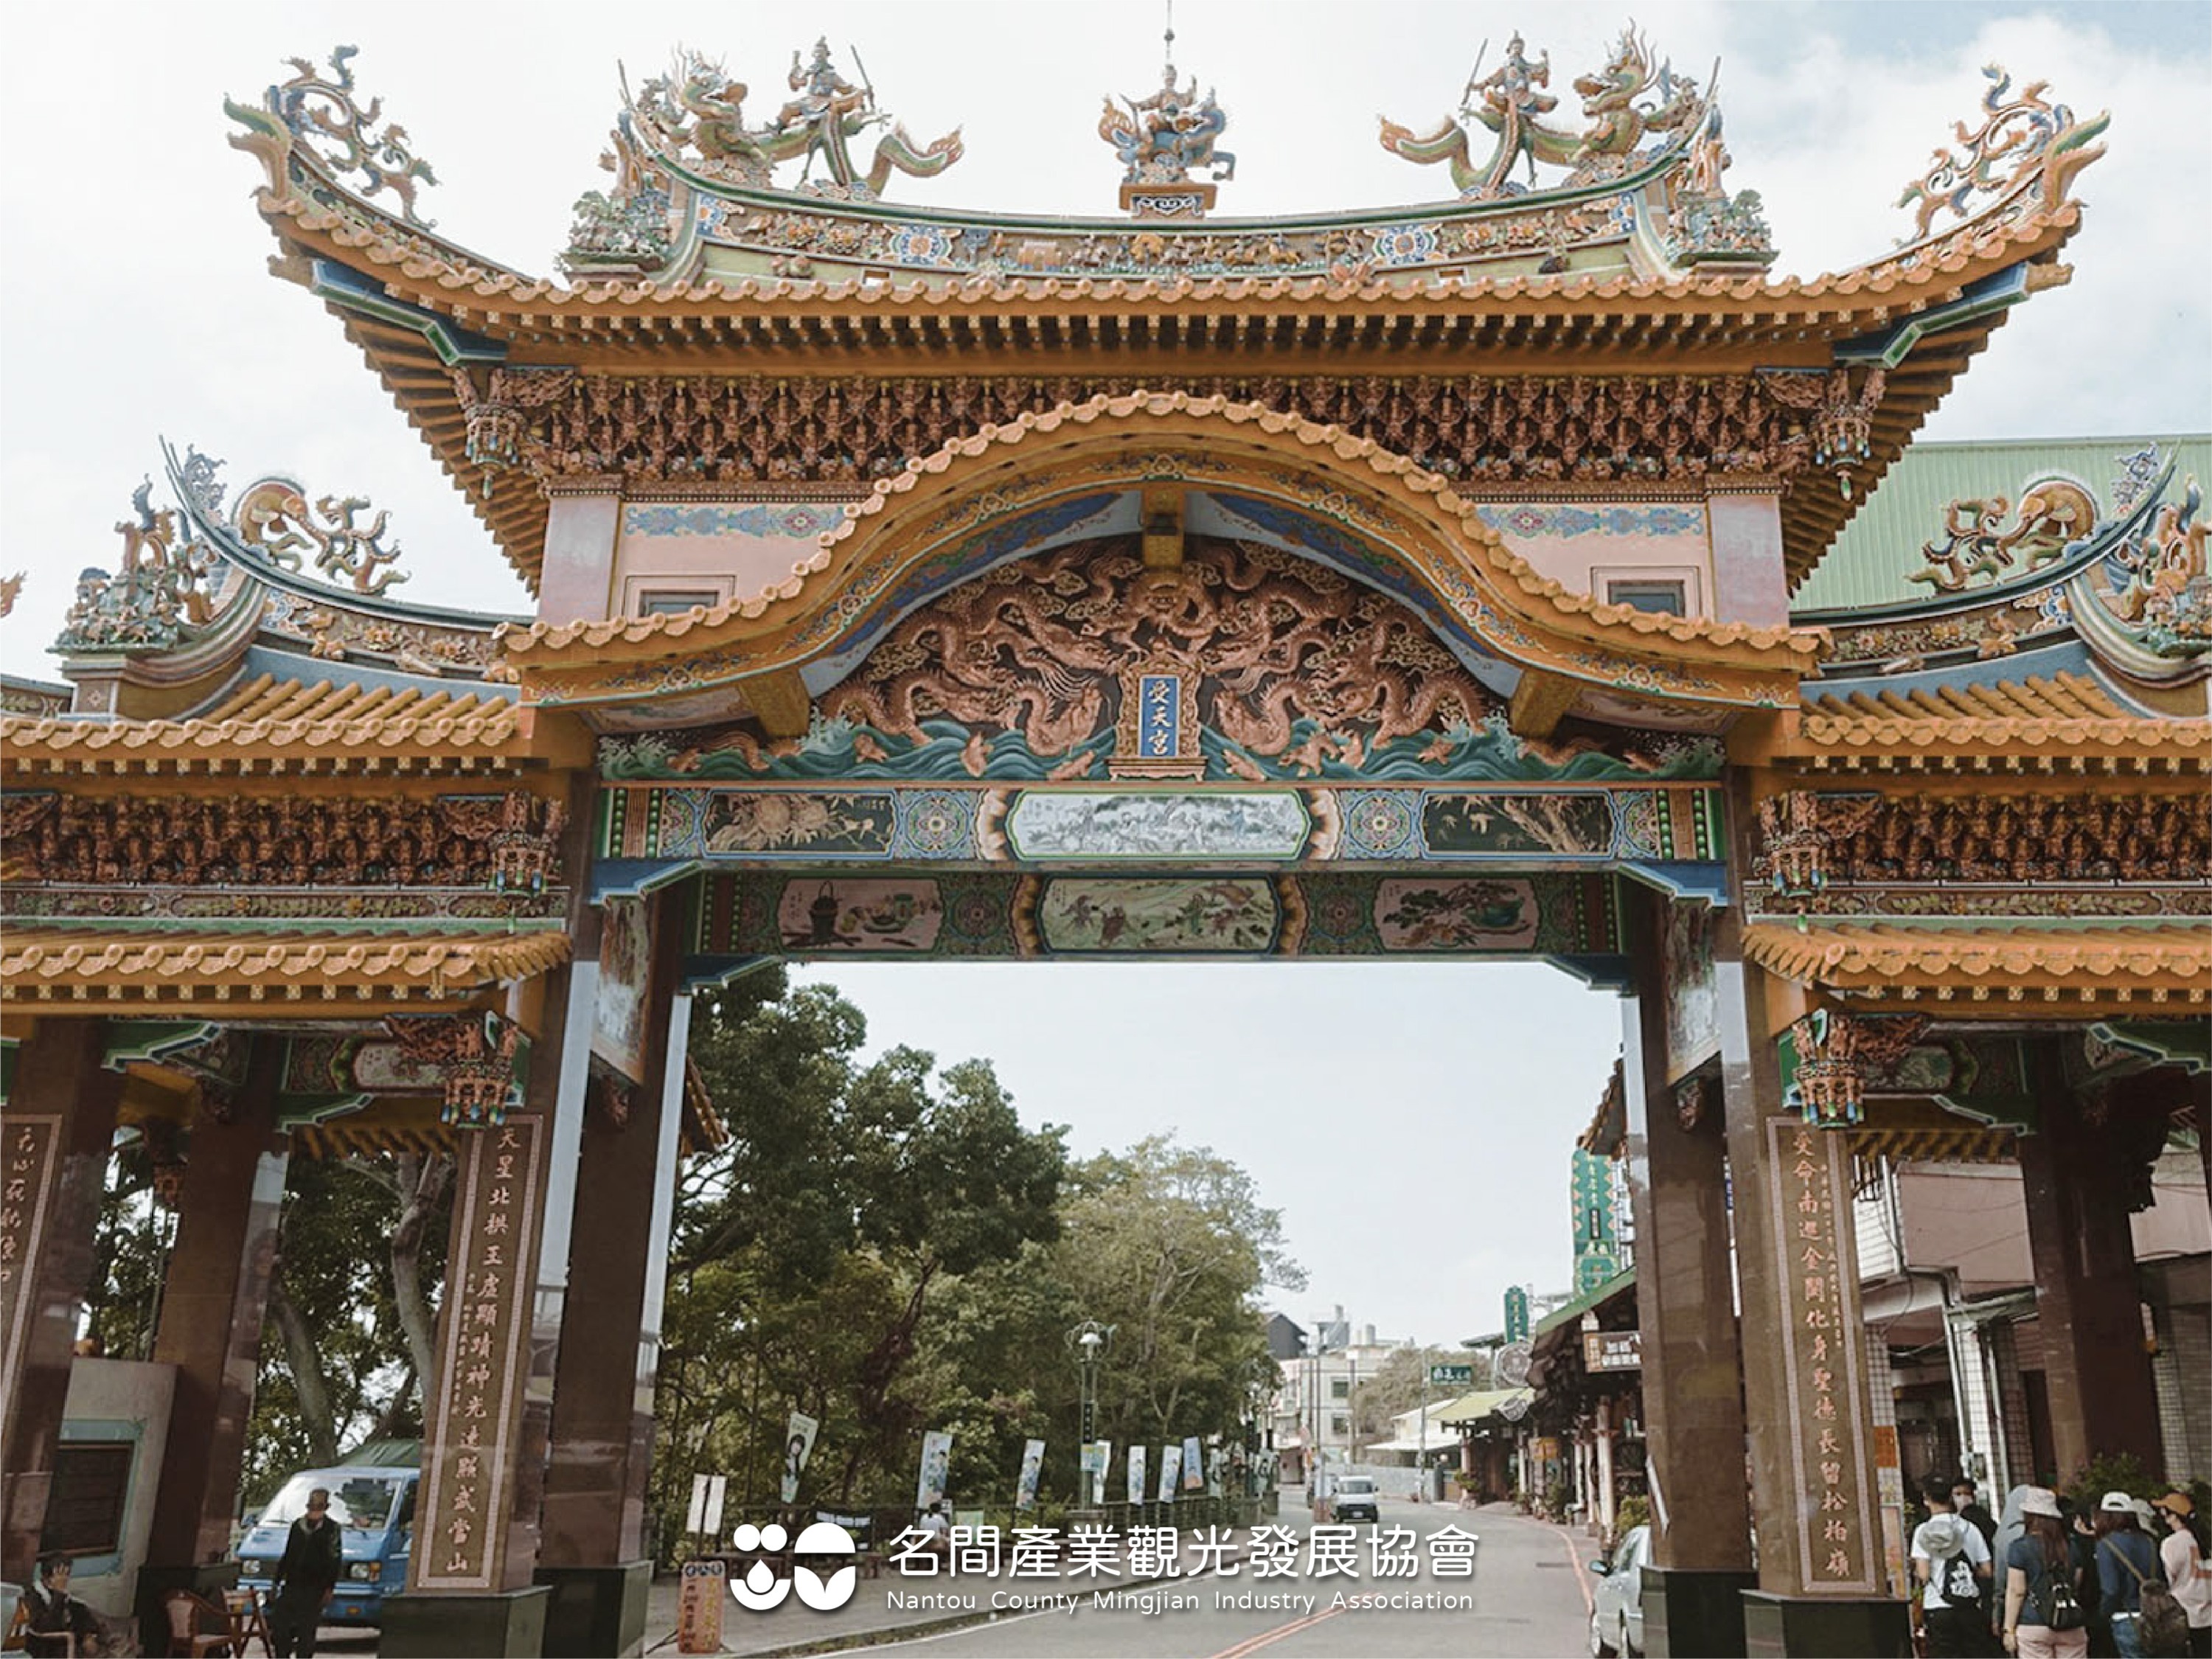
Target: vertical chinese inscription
(1159, 715)
(1824, 1367)
(475, 1413)
(27, 1164)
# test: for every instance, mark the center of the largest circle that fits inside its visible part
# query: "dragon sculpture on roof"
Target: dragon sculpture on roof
(695, 113)
(1622, 102)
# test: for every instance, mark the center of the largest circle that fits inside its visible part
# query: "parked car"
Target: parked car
(1617, 1607)
(374, 1507)
(1355, 1499)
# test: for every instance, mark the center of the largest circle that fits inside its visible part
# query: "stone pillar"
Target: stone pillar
(54, 1147)
(2103, 1402)
(469, 1582)
(595, 1556)
(1604, 1438)
(1820, 1571)
(213, 1297)
(1693, 1355)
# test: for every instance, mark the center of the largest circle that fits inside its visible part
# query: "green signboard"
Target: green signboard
(1451, 1377)
(1516, 1314)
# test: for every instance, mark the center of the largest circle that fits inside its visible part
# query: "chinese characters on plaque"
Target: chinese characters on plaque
(469, 1461)
(26, 1161)
(1822, 1354)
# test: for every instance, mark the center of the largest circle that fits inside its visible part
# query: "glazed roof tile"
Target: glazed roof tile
(2062, 717)
(2000, 967)
(41, 965)
(281, 724)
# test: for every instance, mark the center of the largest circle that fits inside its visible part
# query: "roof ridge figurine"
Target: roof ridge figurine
(694, 114)
(1161, 138)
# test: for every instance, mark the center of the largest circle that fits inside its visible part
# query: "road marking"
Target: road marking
(1269, 1638)
(1575, 1560)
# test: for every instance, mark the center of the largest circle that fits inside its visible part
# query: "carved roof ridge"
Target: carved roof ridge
(1802, 645)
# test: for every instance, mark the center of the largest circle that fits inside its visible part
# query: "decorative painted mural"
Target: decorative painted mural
(1062, 824)
(1655, 823)
(1035, 670)
(740, 916)
(618, 1034)
(1691, 989)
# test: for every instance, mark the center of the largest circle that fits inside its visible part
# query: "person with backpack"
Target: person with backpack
(2147, 1624)
(2181, 1552)
(1951, 1563)
(2043, 1614)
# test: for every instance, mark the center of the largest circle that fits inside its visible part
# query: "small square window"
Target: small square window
(1340, 1388)
(1665, 597)
(673, 601)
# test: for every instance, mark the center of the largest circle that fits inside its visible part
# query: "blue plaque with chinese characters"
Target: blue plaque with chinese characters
(1159, 716)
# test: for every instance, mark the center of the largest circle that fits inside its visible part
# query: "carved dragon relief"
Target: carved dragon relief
(1291, 670)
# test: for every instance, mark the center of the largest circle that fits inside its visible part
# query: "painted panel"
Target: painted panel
(842, 916)
(1558, 824)
(787, 821)
(1163, 917)
(1476, 914)
(1693, 1029)
(618, 1032)
(1053, 824)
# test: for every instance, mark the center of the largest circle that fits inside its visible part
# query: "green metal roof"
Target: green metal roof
(1473, 1407)
(1622, 1281)
(1880, 548)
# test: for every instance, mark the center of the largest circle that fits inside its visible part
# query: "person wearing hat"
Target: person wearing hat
(2181, 1552)
(2125, 1557)
(2044, 1618)
(1951, 1563)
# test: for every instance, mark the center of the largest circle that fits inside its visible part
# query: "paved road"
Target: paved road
(1525, 1598)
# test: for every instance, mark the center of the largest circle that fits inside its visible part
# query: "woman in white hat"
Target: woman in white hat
(2043, 1615)
(2125, 1557)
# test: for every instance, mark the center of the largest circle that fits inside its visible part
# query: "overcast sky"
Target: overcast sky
(1412, 1123)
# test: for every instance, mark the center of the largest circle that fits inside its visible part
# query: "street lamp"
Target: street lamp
(1089, 1342)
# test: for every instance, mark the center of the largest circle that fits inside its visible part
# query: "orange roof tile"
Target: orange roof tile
(2000, 968)
(119, 973)
(2064, 718)
(277, 724)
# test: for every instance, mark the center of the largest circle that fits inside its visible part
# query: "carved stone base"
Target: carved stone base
(1187, 200)
(595, 1610)
(1797, 1626)
(510, 1625)
(1690, 1611)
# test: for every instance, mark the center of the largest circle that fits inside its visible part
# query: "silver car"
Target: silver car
(1617, 1607)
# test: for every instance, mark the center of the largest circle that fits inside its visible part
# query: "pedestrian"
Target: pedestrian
(1967, 1505)
(1951, 1562)
(2181, 1552)
(56, 1621)
(2042, 1614)
(314, 1558)
(2125, 1559)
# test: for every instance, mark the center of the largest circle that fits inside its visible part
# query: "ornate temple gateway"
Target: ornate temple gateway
(1412, 583)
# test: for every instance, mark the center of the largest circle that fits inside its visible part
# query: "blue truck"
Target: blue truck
(373, 1504)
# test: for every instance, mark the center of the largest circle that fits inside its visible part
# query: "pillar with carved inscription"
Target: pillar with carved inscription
(1685, 1291)
(1822, 1573)
(54, 1146)
(2083, 1173)
(595, 1556)
(215, 1290)
(475, 1548)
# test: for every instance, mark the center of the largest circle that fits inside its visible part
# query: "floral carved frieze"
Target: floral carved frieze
(1567, 428)
(287, 840)
(1810, 840)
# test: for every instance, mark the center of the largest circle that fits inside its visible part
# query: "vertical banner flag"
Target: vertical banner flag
(695, 1519)
(936, 1460)
(1025, 1486)
(1193, 1466)
(1171, 1471)
(717, 1488)
(1136, 1474)
(798, 1447)
(1097, 1458)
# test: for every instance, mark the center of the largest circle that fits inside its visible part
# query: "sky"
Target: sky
(1412, 1123)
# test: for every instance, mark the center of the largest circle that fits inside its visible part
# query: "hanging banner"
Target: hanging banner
(1097, 1458)
(798, 1447)
(1171, 1471)
(936, 1462)
(1193, 1466)
(705, 1586)
(1136, 1474)
(1516, 1314)
(717, 1488)
(1025, 1484)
